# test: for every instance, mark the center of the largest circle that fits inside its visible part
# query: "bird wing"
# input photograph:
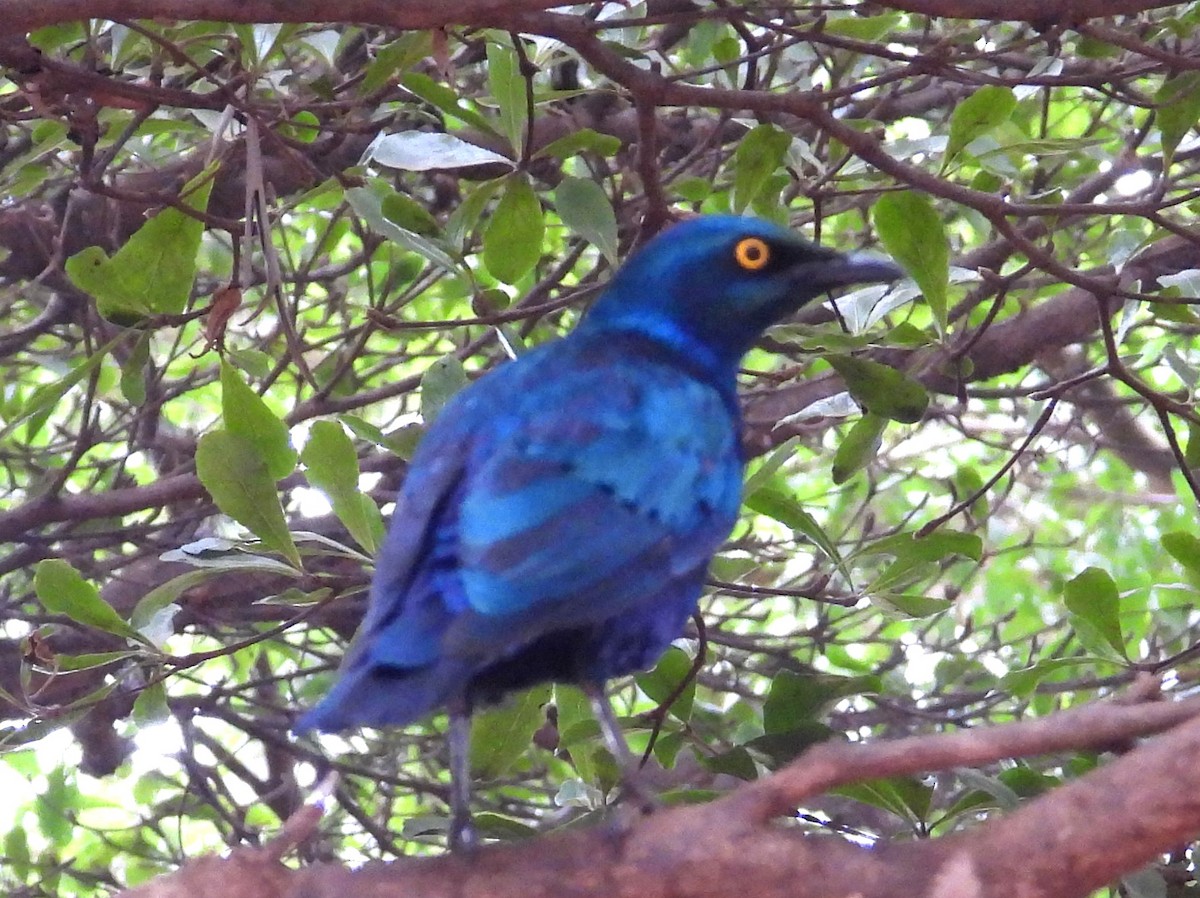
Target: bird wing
(613, 478)
(554, 493)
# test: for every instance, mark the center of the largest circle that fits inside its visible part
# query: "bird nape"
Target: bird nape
(558, 519)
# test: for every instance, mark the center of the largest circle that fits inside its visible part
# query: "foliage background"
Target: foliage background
(200, 438)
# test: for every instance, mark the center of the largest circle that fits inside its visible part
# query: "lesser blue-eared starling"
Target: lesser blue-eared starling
(558, 519)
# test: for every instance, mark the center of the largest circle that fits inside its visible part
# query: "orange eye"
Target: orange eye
(752, 253)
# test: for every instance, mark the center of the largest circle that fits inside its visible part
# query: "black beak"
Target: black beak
(842, 270)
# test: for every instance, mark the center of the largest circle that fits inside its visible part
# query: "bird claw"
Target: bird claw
(635, 804)
(635, 791)
(464, 837)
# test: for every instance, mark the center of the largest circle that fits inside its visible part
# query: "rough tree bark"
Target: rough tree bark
(1070, 841)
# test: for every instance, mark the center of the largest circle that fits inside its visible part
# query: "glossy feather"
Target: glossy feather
(559, 517)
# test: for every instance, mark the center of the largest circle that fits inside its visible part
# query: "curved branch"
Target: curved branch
(1042, 13)
(1133, 809)
(19, 16)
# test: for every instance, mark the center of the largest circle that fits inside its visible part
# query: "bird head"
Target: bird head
(713, 284)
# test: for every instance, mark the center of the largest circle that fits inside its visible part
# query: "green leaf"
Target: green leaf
(782, 507)
(917, 559)
(152, 273)
(163, 595)
(503, 829)
(1095, 606)
(913, 234)
(907, 604)
(734, 762)
(1184, 548)
(585, 208)
(577, 728)
(17, 857)
(585, 140)
(1178, 109)
(1021, 683)
(91, 660)
(150, 706)
(462, 221)
(368, 203)
(400, 55)
(502, 735)
(332, 466)
(62, 590)
(509, 89)
(967, 482)
(757, 157)
(236, 476)
(56, 807)
(212, 554)
(797, 699)
(905, 797)
(858, 447)
(304, 127)
(936, 546)
(783, 748)
(405, 212)
(133, 371)
(986, 791)
(439, 384)
(881, 389)
(863, 28)
(431, 151)
(670, 671)
(254, 362)
(40, 404)
(1092, 48)
(246, 415)
(512, 243)
(988, 107)
(445, 99)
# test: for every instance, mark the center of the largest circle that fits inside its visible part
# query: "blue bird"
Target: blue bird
(558, 519)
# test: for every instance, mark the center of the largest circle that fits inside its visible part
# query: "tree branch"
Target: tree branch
(1042, 13)
(1133, 809)
(19, 16)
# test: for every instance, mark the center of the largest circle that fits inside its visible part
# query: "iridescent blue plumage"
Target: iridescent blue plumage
(558, 519)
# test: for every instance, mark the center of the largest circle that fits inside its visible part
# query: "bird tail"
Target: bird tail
(373, 696)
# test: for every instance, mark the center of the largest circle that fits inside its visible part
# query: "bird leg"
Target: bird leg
(463, 835)
(614, 740)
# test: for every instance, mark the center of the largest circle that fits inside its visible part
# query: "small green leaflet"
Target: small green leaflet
(62, 590)
(500, 736)
(509, 87)
(512, 243)
(882, 389)
(911, 230)
(152, 273)
(1178, 110)
(332, 466)
(585, 208)
(858, 447)
(246, 415)
(231, 468)
(987, 108)
(1095, 606)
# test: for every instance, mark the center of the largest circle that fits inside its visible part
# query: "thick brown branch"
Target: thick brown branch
(1043, 13)
(1133, 809)
(19, 16)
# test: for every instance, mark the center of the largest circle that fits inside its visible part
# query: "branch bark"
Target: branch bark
(1070, 841)
(1044, 14)
(19, 16)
